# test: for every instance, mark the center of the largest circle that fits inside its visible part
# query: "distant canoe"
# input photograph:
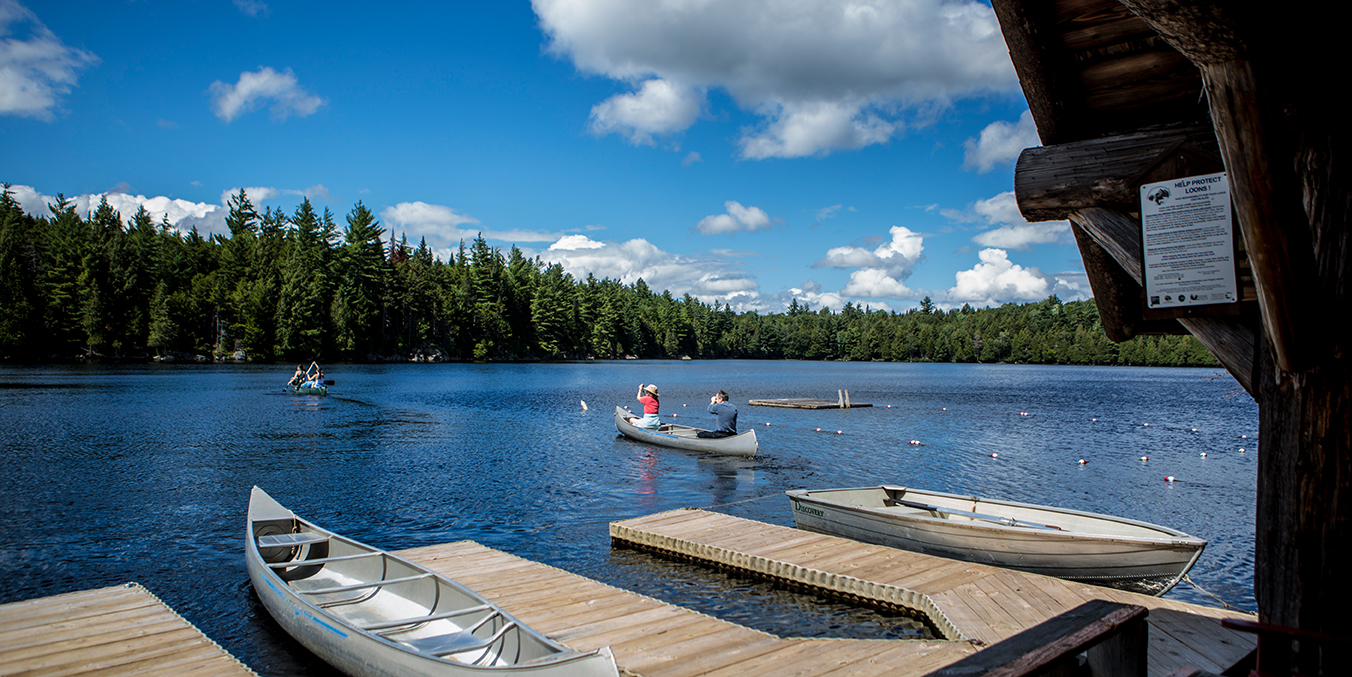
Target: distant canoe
(1079, 546)
(684, 437)
(310, 390)
(370, 613)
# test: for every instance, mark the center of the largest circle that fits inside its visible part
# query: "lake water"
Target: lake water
(142, 473)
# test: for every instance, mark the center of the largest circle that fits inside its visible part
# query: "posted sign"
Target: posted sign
(1189, 244)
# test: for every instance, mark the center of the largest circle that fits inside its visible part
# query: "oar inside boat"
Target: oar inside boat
(1007, 521)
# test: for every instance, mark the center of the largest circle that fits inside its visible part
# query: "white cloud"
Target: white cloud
(658, 107)
(823, 76)
(1013, 231)
(252, 7)
(36, 67)
(288, 97)
(897, 258)
(1000, 142)
(441, 226)
(183, 215)
(811, 293)
(880, 270)
(737, 218)
(997, 280)
(691, 159)
(708, 278)
(816, 128)
(875, 283)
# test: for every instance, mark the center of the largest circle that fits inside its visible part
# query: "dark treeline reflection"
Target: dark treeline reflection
(300, 286)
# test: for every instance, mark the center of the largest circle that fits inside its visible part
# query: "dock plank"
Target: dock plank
(979, 602)
(120, 630)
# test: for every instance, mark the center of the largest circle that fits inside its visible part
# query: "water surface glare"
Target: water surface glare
(142, 473)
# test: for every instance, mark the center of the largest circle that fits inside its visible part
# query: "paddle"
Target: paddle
(1007, 521)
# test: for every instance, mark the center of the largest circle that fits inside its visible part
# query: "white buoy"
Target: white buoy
(1144, 424)
(584, 404)
(839, 433)
(994, 455)
(1083, 461)
(1093, 419)
(1241, 450)
(1145, 458)
(819, 429)
(1170, 478)
(1204, 454)
(767, 423)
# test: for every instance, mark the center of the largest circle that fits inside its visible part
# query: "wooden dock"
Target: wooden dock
(655, 639)
(120, 630)
(965, 601)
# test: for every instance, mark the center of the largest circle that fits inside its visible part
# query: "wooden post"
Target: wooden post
(847, 399)
(840, 397)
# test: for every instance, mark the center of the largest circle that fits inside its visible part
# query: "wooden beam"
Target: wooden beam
(1232, 340)
(1253, 124)
(1113, 634)
(1050, 182)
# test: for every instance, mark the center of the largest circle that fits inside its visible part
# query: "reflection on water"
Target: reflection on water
(120, 473)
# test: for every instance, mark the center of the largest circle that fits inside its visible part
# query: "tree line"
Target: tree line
(301, 286)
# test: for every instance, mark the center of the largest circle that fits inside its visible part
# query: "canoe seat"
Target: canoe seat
(290, 540)
(418, 620)
(456, 642)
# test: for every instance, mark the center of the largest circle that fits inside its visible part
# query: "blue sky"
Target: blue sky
(743, 151)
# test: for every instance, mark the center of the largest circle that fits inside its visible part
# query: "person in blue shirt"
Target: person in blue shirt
(727, 417)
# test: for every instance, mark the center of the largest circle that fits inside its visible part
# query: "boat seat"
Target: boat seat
(323, 560)
(386, 625)
(364, 586)
(456, 642)
(290, 540)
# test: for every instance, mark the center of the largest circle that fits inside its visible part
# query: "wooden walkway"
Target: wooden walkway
(121, 630)
(966, 601)
(655, 639)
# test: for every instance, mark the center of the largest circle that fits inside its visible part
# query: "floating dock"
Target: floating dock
(842, 402)
(120, 630)
(970, 603)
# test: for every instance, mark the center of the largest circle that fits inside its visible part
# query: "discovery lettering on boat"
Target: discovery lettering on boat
(799, 507)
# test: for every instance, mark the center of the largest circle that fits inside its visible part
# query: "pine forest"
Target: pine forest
(301, 286)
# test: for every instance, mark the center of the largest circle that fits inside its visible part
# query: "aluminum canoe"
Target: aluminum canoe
(1080, 546)
(372, 614)
(684, 437)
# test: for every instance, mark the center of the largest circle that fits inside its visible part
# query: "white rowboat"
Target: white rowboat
(370, 613)
(1079, 546)
(685, 437)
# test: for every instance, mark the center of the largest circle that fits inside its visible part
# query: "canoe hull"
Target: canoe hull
(301, 390)
(684, 437)
(365, 653)
(1089, 548)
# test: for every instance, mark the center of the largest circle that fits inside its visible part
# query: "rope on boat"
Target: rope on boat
(724, 505)
(1225, 604)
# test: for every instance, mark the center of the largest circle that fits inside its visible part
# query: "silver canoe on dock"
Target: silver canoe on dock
(370, 613)
(1070, 544)
(685, 437)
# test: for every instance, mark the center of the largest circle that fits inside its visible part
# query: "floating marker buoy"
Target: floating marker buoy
(584, 404)
(1145, 458)
(819, 429)
(685, 405)
(1145, 424)
(1083, 461)
(1170, 478)
(839, 433)
(994, 455)
(1093, 419)
(1204, 454)
(943, 408)
(889, 406)
(1243, 436)
(1241, 450)
(1192, 430)
(915, 442)
(767, 423)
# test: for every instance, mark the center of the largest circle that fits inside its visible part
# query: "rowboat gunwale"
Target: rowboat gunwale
(678, 436)
(1070, 553)
(299, 616)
